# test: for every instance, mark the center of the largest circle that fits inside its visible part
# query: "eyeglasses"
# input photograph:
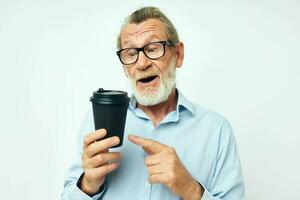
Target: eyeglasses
(153, 51)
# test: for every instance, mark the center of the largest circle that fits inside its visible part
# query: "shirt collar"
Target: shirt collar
(182, 103)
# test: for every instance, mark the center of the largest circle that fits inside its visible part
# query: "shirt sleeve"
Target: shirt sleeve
(71, 190)
(227, 183)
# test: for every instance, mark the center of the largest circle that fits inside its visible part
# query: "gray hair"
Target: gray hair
(146, 13)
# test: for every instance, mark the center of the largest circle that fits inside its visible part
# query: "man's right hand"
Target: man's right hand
(96, 160)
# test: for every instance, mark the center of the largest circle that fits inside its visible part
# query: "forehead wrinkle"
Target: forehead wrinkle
(137, 30)
(136, 33)
(142, 29)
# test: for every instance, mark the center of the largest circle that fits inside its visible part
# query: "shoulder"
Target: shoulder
(200, 112)
(219, 127)
(204, 113)
(211, 118)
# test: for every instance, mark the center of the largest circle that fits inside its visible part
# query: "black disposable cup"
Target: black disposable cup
(110, 110)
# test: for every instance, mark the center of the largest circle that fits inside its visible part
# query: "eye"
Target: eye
(131, 52)
(152, 48)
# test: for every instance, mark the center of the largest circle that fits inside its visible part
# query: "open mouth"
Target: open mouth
(147, 79)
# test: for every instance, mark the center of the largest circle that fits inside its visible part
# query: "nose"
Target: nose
(143, 62)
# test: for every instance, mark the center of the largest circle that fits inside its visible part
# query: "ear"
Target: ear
(179, 54)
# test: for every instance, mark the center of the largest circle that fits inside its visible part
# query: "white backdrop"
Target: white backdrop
(241, 60)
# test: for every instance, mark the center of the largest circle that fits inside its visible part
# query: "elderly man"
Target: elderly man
(187, 152)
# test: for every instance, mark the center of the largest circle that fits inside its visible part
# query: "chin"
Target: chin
(151, 96)
(148, 90)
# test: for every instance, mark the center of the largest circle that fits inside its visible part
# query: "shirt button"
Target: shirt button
(147, 183)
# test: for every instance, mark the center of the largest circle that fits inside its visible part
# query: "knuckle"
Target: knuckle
(100, 159)
(88, 151)
(152, 145)
(171, 150)
(86, 140)
(170, 159)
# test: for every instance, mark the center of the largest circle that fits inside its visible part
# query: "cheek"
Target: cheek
(162, 68)
(164, 64)
(159, 65)
(129, 72)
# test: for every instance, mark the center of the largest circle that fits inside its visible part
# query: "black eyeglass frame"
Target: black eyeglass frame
(164, 43)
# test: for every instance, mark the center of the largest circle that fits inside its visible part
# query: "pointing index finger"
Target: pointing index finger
(150, 146)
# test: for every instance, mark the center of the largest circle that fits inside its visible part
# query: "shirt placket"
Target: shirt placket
(146, 186)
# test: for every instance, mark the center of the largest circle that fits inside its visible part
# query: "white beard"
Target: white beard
(152, 96)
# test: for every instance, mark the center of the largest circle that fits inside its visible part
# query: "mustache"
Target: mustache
(142, 75)
(152, 71)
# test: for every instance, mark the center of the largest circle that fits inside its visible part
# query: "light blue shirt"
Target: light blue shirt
(203, 140)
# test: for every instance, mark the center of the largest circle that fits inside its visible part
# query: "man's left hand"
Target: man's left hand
(164, 166)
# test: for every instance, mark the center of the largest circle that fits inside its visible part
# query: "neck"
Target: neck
(159, 111)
